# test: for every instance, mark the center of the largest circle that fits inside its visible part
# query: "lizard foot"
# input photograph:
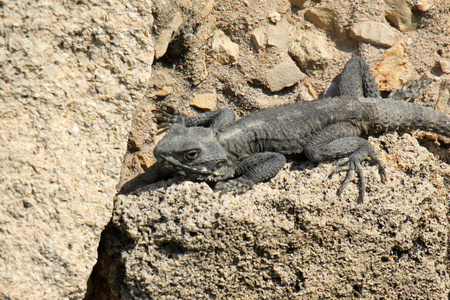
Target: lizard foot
(353, 163)
(238, 186)
(167, 116)
(410, 90)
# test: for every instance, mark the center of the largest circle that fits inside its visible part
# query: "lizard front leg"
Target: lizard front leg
(253, 169)
(341, 140)
(217, 119)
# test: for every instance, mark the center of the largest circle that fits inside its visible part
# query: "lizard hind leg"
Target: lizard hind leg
(352, 164)
(357, 80)
(342, 141)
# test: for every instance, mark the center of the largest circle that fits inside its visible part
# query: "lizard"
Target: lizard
(213, 146)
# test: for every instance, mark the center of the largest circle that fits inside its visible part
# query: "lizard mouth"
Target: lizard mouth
(205, 171)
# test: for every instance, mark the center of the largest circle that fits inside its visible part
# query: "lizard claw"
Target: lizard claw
(351, 165)
(167, 116)
(238, 186)
(410, 90)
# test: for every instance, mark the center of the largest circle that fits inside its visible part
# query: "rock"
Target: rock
(259, 37)
(309, 92)
(374, 33)
(206, 101)
(443, 105)
(146, 160)
(283, 75)
(207, 9)
(393, 70)
(445, 65)
(223, 49)
(165, 91)
(291, 238)
(301, 3)
(278, 35)
(275, 17)
(64, 128)
(443, 101)
(423, 5)
(322, 17)
(166, 35)
(400, 15)
(311, 53)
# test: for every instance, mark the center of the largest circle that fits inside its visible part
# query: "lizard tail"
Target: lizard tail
(405, 116)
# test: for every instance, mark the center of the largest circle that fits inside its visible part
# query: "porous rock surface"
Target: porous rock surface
(292, 237)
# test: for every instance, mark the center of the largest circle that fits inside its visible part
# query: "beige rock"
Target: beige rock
(166, 35)
(443, 101)
(64, 127)
(207, 8)
(374, 33)
(163, 42)
(278, 35)
(311, 53)
(301, 3)
(424, 5)
(310, 89)
(322, 17)
(275, 17)
(165, 91)
(400, 15)
(259, 37)
(207, 101)
(393, 70)
(223, 49)
(445, 65)
(146, 160)
(283, 75)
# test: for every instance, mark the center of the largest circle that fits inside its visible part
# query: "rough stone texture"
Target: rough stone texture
(311, 53)
(400, 15)
(424, 5)
(223, 49)
(285, 74)
(292, 237)
(259, 37)
(393, 70)
(301, 3)
(372, 32)
(206, 101)
(167, 34)
(278, 35)
(322, 17)
(445, 66)
(68, 72)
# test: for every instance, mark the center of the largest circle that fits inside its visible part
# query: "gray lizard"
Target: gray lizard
(212, 146)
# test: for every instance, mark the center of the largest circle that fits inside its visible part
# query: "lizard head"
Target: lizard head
(194, 152)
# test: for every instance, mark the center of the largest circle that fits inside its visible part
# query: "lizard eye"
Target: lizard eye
(191, 154)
